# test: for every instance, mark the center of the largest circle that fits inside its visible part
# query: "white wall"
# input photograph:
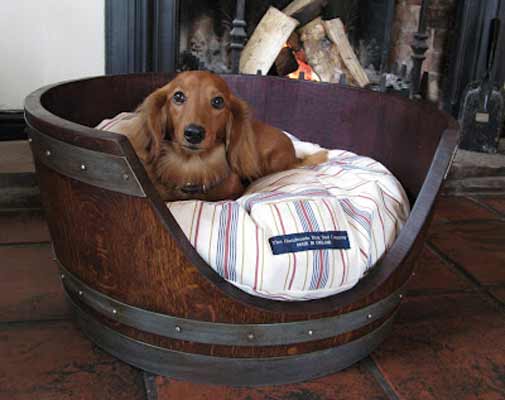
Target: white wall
(47, 41)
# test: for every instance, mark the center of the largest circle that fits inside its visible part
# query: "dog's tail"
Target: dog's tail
(313, 159)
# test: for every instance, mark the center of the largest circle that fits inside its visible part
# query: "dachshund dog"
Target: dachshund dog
(199, 141)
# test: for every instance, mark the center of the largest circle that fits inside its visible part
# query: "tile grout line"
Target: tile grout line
(496, 299)
(438, 292)
(21, 210)
(476, 200)
(463, 272)
(495, 286)
(25, 244)
(455, 266)
(371, 366)
(150, 388)
(493, 193)
(468, 221)
(10, 323)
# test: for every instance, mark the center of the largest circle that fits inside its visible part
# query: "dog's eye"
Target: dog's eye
(217, 102)
(179, 98)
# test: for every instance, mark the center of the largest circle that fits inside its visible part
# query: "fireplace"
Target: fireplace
(154, 35)
(169, 35)
(205, 29)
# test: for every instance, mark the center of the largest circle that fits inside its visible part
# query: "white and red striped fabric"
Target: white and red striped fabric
(351, 195)
(348, 193)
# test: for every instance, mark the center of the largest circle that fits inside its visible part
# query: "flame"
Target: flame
(303, 66)
(309, 73)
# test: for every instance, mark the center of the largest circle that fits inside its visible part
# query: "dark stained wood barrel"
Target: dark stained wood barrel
(138, 287)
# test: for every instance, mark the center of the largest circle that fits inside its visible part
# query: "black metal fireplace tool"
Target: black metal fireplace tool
(482, 109)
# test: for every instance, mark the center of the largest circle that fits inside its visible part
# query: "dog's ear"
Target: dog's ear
(240, 141)
(155, 125)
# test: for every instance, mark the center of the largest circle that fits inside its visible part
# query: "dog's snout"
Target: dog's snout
(194, 134)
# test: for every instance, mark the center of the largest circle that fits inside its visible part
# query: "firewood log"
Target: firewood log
(267, 41)
(285, 62)
(322, 55)
(336, 32)
(294, 42)
(304, 10)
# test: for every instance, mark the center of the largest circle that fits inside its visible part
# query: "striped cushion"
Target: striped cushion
(348, 196)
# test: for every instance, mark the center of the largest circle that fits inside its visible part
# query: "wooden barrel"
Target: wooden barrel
(137, 286)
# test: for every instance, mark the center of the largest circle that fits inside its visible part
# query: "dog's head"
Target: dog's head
(193, 114)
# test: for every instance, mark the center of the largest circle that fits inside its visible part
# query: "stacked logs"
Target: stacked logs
(283, 37)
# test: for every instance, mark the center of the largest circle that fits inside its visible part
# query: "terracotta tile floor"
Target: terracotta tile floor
(448, 341)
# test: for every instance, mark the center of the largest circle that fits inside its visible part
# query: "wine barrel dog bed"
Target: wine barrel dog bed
(141, 291)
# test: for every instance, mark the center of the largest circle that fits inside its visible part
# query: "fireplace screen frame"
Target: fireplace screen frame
(140, 36)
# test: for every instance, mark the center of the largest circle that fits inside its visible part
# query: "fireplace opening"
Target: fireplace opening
(379, 37)
(356, 52)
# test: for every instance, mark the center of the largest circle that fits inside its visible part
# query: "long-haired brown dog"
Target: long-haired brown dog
(199, 141)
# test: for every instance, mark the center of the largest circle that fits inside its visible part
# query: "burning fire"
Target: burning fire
(303, 66)
(309, 73)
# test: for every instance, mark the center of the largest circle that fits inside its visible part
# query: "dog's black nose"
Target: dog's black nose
(194, 134)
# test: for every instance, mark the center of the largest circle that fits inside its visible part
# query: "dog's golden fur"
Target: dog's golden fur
(235, 147)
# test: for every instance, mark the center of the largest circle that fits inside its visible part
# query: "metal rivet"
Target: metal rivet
(30, 140)
(310, 332)
(83, 167)
(62, 276)
(400, 296)
(369, 316)
(178, 329)
(126, 177)
(114, 311)
(250, 336)
(48, 153)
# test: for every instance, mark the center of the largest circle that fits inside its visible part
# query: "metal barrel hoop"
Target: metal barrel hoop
(227, 333)
(229, 371)
(102, 170)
